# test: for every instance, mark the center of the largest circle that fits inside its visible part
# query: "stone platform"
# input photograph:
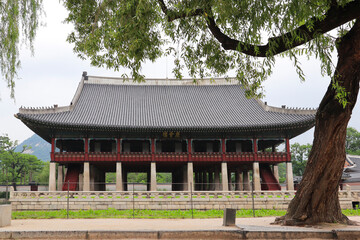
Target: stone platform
(246, 228)
(162, 200)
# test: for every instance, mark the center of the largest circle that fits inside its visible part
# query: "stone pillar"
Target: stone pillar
(217, 178)
(119, 178)
(196, 184)
(289, 177)
(174, 177)
(60, 178)
(124, 179)
(224, 176)
(211, 180)
(205, 181)
(239, 180)
(246, 180)
(52, 177)
(190, 176)
(256, 176)
(101, 181)
(153, 186)
(148, 180)
(229, 180)
(199, 182)
(81, 182)
(276, 172)
(184, 186)
(237, 186)
(181, 179)
(93, 175)
(86, 184)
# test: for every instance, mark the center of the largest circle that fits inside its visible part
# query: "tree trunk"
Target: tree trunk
(317, 199)
(14, 185)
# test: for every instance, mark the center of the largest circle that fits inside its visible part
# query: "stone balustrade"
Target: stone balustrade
(154, 194)
(173, 200)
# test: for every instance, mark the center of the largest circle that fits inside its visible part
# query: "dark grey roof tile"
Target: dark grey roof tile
(156, 106)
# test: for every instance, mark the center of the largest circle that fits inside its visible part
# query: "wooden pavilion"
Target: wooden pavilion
(209, 136)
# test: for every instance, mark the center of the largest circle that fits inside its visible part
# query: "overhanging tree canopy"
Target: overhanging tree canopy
(211, 37)
(199, 34)
(19, 20)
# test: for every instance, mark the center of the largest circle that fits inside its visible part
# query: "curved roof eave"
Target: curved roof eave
(274, 127)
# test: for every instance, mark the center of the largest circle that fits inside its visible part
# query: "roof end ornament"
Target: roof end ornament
(84, 75)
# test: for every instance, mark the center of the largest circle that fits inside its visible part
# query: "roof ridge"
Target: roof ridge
(286, 110)
(161, 81)
(44, 110)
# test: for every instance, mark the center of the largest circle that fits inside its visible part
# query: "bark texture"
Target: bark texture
(316, 200)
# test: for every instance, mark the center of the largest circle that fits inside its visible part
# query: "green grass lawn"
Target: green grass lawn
(113, 213)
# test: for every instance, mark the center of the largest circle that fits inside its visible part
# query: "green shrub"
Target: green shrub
(3, 194)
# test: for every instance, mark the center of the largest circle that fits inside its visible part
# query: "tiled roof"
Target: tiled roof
(354, 170)
(185, 107)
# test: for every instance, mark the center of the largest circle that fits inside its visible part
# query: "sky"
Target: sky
(51, 77)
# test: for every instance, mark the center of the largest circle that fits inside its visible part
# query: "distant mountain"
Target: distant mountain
(39, 147)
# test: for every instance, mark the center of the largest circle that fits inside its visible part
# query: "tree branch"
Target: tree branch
(335, 17)
(173, 15)
(102, 5)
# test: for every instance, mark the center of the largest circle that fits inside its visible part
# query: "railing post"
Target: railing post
(68, 196)
(133, 199)
(191, 201)
(252, 197)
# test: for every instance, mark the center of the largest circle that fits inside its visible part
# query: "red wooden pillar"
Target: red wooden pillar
(223, 149)
(255, 149)
(118, 149)
(189, 149)
(288, 155)
(86, 149)
(52, 155)
(153, 149)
